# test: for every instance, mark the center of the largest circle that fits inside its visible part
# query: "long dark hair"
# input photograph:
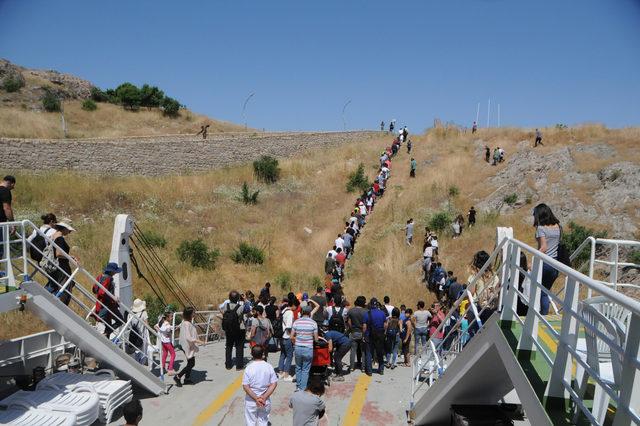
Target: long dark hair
(49, 218)
(543, 216)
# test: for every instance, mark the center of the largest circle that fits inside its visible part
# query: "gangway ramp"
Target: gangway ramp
(581, 366)
(77, 320)
(68, 324)
(484, 373)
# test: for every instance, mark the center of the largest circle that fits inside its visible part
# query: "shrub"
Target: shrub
(198, 254)
(248, 254)
(315, 282)
(155, 308)
(247, 197)
(89, 105)
(634, 257)
(440, 221)
(170, 107)
(154, 239)
(98, 95)
(454, 191)
(266, 169)
(150, 96)
(50, 102)
(13, 83)
(358, 180)
(128, 96)
(283, 280)
(510, 199)
(615, 174)
(575, 235)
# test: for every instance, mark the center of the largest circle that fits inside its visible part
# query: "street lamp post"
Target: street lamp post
(344, 122)
(244, 107)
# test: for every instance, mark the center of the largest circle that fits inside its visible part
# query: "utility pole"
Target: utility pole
(244, 107)
(478, 114)
(64, 123)
(344, 122)
(498, 115)
(488, 111)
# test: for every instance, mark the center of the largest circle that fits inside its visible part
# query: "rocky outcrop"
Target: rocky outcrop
(609, 197)
(161, 155)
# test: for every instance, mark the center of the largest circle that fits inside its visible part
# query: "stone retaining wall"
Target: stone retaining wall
(161, 155)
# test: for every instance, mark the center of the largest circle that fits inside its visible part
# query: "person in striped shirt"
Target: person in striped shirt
(303, 334)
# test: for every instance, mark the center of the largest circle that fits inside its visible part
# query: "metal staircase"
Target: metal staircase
(542, 359)
(24, 289)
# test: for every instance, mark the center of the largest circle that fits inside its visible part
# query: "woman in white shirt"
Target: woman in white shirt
(188, 341)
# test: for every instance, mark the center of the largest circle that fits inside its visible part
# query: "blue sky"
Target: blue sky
(544, 62)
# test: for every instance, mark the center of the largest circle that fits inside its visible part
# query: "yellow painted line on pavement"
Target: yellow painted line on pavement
(217, 404)
(547, 340)
(359, 396)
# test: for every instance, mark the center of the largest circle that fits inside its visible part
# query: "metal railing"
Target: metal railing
(211, 326)
(613, 263)
(562, 381)
(75, 286)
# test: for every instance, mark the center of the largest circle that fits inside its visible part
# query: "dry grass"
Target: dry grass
(107, 121)
(311, 194)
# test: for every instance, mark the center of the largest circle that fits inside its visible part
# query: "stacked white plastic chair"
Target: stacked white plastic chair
(83, 403)
(19, 414)
(112, 393)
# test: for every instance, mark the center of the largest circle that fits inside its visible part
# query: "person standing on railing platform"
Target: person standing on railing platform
(548, 233)
(6, 211)
(59, 276)
(107, 308)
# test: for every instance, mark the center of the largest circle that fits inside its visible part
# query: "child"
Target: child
(464, 328)
(164, 329)
(307, 406)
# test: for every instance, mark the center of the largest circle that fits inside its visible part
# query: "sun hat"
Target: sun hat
(65, 226)
(112, 267)
(138, 306)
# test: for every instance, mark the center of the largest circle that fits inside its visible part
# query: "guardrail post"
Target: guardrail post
(630, 387)
(614, 267)
(526, 348)
(555, 393)
(508, 287)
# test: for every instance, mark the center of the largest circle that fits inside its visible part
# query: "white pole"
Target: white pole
(498, 115)
(478, 113)
(488, 111)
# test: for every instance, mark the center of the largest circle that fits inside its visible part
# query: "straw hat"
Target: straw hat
(65, 226)
(138, 306)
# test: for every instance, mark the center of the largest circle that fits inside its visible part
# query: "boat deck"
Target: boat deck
(217, 397)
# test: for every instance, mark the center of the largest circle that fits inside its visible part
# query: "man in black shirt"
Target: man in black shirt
(6, 212)
(321, 299)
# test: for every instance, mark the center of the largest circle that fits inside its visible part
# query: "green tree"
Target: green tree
(151, 96)
(266, 169)
(358, 180)
(98, 95)
(50, 101)
(13, 82)
(197, 254)
(247, 254)
(89, 105)
(170, 106)
(128, 96)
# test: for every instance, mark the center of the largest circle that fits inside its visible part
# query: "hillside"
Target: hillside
(22, 114)
(296, 219)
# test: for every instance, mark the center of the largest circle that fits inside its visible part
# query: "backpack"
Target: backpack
(105, 281)
(278, 332)
(231, 320)
(135, 336)
(262, 333)
(393, 329)
(36, 249)
(49, 261)
(337, 320)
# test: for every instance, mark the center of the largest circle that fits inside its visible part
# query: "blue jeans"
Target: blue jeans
(549, 275)
(286, 356)
(304, 357)
(421, 337)
(392, 355)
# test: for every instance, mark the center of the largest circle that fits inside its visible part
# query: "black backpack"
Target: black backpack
(337, 320)
(231, 320)
(37, 247)
(278, 332)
